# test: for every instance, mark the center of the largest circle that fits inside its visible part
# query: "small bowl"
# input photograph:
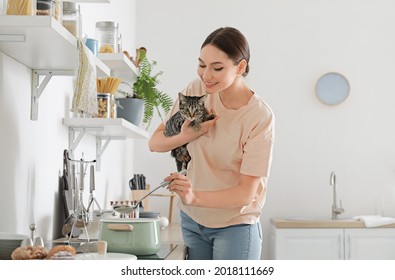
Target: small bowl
(9, 242)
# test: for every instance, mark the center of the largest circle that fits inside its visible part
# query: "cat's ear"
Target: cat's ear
(202, 98)
(181, 97)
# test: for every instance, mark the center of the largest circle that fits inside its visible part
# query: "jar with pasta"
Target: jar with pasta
(20, 7)
(104, 105)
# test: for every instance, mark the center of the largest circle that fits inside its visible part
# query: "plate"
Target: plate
(108, 256)
(332, 88)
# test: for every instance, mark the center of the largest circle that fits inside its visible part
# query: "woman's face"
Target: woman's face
(216, 69)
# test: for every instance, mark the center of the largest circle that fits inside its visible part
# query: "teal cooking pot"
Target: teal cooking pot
(131, 236)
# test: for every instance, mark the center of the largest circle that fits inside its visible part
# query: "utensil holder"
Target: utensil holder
(136, 195)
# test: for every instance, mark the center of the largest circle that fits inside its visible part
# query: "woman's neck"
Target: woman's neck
(236, 96)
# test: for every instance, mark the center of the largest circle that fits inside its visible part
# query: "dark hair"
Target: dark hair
(232, 42)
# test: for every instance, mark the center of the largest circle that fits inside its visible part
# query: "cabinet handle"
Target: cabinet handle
(340, 246)
(349, 246)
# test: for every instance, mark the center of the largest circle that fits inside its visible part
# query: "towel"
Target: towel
(375, 220)
(85, 94)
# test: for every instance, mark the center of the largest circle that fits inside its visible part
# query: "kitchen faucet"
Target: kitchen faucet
(335, 210)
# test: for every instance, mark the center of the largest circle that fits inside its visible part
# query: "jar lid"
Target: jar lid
(103, 95)
(70, 7)
(107, 24)
(44, 4)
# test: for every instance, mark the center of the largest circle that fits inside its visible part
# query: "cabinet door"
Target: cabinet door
(307, 244)
(370, 244)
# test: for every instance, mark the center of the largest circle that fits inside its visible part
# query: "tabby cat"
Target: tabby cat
(193, 109)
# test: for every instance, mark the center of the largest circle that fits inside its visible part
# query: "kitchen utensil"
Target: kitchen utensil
(68, 225)
(64, 186)
(132, 236)
(33, 240)
(161, 185)
(92, 199)
(127, 209)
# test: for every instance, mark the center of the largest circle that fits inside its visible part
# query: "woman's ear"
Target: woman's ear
(241, 68)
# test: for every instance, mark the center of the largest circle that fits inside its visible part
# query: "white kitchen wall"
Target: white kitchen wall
(31, 152)
(293, 43)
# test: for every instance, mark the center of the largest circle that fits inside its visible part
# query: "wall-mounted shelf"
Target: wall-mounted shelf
(41, 42)
(44, 45)
(120, 65)
(104, 130)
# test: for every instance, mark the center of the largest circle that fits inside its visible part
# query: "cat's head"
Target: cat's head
(192, 107)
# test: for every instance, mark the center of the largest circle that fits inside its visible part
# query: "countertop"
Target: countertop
(172, 235)
(171, 238)
(320, 223)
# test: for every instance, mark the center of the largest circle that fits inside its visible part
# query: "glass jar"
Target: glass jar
(104, 105)
(72, 18)
(19, 7)
(52, 8)
(107, 36)
(114, 106)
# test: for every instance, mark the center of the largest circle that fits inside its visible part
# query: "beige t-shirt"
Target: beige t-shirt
(241, 141)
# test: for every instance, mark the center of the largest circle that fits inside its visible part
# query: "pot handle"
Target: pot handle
(120, 227)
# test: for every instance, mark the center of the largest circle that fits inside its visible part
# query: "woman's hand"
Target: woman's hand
(181, 185)
(191, 134)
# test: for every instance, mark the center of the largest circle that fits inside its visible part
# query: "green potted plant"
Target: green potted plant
(144, 90)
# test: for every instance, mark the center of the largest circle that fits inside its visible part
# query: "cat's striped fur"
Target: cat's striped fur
(193, 109)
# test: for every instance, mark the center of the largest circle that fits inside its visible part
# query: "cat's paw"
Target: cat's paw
(196, 127)
(211, 117)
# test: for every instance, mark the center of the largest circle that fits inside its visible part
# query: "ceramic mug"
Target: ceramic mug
(92, 44)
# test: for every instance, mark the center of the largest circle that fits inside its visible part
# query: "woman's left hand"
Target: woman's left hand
(181, 185)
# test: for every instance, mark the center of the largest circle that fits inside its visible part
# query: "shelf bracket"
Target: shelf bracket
(38, 88)
(100, 147)
(75, 136)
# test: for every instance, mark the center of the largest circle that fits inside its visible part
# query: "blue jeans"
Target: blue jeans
(238, 242)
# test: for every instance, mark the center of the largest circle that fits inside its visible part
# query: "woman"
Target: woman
(224, 191)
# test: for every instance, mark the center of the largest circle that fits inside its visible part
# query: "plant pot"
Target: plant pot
(131, 109)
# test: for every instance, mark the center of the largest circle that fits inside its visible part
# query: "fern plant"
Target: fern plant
(145, 88)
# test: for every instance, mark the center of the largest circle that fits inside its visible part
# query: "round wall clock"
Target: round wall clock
(332, 88)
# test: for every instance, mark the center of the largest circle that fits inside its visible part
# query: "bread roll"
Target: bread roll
(61, 252)
(29, 253)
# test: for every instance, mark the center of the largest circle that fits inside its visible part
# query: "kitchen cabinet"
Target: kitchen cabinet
(332, 243)
(369, 244)
(306, 244)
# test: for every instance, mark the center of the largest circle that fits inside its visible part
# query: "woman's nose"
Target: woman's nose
(206, 74)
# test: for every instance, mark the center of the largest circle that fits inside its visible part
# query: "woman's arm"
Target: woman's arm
(237, 196)
(160, 143)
